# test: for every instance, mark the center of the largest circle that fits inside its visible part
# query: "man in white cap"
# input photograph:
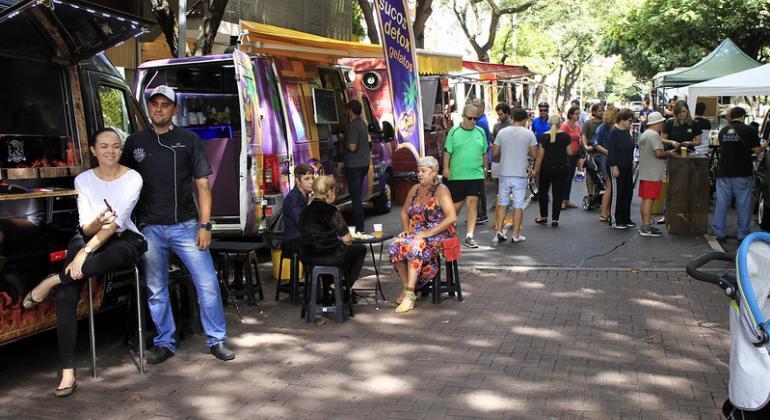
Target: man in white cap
(652, 169)
(172, 164)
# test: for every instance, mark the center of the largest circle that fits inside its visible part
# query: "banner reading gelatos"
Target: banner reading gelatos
(401, 62)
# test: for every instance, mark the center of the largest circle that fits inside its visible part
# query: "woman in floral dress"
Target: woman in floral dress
(427, 221)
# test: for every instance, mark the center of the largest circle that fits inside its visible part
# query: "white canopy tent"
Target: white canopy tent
(753, 82)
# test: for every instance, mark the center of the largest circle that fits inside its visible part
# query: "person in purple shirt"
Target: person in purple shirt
(540, 123)
(294, 204)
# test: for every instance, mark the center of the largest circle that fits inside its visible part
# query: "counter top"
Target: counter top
(56, 192)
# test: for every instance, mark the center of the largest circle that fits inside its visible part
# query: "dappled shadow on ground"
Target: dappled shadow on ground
(565, 344)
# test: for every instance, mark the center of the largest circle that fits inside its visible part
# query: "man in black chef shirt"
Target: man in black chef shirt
(172, 164)
(679, 130)
(735, 178)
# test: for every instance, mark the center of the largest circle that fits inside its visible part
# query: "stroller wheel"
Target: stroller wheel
(587, 203)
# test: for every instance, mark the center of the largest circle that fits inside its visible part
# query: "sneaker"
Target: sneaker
(470, 242)
(631, 224)
(662, 221)
(482, 220)
(500, 237)
(520, 238)
(618, 226)
(648, 231)
(656, 230)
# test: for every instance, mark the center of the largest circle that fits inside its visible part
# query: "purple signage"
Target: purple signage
(401, 62)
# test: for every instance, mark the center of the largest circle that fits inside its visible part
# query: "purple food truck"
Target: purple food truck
(258, 116)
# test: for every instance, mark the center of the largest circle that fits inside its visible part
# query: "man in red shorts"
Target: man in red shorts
(652, 169)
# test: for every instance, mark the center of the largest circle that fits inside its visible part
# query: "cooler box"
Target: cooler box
(275, 253)
(658, 203)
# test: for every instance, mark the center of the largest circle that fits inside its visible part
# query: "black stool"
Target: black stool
(451, 286)
(241, 257)
(313, 277)
(293, 287)
(139, 316)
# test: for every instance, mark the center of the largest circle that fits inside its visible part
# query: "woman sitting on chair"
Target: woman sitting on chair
(426, 223)
(107, 241)
(326, 239)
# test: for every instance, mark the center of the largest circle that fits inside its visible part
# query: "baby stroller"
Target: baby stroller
(595, 174)
(749, 386)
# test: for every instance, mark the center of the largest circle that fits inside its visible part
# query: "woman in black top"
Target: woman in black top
(551, 167)
(326, 239)
(620, 158)
(681, 130)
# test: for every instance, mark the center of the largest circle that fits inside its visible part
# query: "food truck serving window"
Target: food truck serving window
(33, 98)
(325, 106)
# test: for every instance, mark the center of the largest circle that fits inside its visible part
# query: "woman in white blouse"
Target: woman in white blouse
(107, 241)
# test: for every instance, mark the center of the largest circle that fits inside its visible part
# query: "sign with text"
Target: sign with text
(403, 77)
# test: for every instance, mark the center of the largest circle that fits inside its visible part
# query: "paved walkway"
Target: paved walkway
(532, 344)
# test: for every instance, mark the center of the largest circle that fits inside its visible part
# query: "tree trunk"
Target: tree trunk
(371, 27)
(422, 13)
(167, 21)
(214, 10)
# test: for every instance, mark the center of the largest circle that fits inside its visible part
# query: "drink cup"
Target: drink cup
(352, 230)
(684, 151)
(378, 230)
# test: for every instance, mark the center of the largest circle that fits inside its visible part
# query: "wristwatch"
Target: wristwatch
(88, 250)
(206, 226)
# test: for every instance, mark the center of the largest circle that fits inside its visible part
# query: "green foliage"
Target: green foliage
(659, 35)
(359, 31)
(621, 86)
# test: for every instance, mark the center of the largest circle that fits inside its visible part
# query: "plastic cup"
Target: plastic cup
(684, 151)
(378, 230)
(352, 230)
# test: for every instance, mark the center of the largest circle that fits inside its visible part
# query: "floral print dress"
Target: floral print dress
(422, 254)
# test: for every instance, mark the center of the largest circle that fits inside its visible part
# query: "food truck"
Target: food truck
(277, 101)
(57, 90)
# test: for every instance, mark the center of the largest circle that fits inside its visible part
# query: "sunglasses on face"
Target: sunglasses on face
(543, 110)
(470, 118)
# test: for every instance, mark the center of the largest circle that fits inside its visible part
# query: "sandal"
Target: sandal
(400, 298)
(604, 219)
(407, 304)
(541, 220)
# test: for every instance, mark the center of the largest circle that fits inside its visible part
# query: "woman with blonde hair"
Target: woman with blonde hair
(551, 167)
(326, 239)
(427, 221)
(680, 130)
(600, 144)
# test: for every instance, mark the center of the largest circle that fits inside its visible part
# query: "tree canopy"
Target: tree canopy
(659, 35)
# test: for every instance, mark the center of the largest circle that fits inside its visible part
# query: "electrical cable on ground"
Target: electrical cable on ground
(610, 251)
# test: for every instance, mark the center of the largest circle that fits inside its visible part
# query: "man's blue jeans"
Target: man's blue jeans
(180, 238)
(741, 189)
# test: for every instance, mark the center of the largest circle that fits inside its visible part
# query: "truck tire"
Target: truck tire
(384, 200)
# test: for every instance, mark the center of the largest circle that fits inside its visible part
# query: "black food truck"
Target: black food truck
(56, 89)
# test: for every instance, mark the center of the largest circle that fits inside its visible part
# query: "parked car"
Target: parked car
(57, 90)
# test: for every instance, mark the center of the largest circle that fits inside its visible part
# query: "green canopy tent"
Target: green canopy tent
(726, 59)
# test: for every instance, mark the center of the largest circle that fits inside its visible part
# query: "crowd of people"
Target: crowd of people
(603, 143)
(138, 204)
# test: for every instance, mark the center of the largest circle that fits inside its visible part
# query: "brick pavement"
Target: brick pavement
(533, 344)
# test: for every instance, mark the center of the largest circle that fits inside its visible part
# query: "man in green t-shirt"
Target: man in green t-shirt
(465, 163)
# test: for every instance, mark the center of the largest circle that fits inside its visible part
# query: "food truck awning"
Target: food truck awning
(492, 71)
(726, 59)
(263, 38)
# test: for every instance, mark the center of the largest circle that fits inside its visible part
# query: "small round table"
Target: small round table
(376, 262)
